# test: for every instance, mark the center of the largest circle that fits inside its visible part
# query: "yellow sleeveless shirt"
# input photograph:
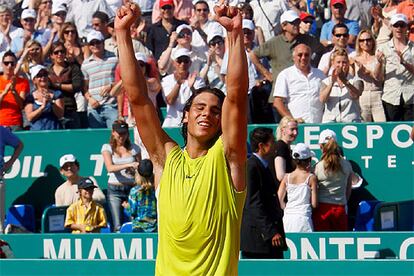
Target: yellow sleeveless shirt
(199, 215)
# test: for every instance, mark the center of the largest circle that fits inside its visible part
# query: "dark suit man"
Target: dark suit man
(262, 234)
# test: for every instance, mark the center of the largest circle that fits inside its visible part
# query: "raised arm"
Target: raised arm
(234, 113)
(157, 142)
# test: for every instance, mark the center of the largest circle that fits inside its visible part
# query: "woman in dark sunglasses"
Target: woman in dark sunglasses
(75, 52)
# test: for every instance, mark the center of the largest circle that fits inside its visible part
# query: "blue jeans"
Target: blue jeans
(103, 116)
(116, 195)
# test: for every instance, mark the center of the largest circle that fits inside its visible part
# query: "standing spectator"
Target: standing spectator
(338, 9)
(369, 69)
(44, 107)
(121, 158)
(67, 192)
(307, 23)
(178, 87)
(85, 215)
(31, 56)
(7, 30)
(13, 92)
(74, 49)
(381, 16)
(99, 77)
(398, 58)
(359, 11)
(301, 187)
(183, 10)
(100, 22)
(334, 175)
(141, 205)
(296, 90)
(7, 138)
(247, 13)
(44, 13)
(67, 78)
(340, 92)
(406, 7)
(159, 33)
(51, 34)
(262, 234)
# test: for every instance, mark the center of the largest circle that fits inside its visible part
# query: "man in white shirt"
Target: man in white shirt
(296, 90)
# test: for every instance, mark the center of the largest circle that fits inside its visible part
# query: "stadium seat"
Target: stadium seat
(107, 229)
(21, 215)
(53, 219)
(126, 227)
(364, 220)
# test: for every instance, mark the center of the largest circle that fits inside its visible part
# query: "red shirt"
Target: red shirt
(407, 8)
(10, 112)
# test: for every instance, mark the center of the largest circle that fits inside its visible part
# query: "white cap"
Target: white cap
(25, 4)
(36, 69)
(248, 24)
(28, 13)
(301, 151)
(325, 135)
(94, 35)
(215, 32)
(182, 27)
(397, 18)
(141, 57)
(58, 7)
(66, 158)
(289, 16)
(180, 53)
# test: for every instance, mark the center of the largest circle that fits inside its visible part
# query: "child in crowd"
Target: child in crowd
(141, 205)
(301, 188)
(85, 215)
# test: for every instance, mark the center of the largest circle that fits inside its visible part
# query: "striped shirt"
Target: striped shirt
(100, 73)
(79, 213)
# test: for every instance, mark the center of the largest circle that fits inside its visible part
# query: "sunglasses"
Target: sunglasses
(247, 31)
(60, 14)
(341, 35)
(183, 34)
(365, 40)
(46, 2)
(57, 52)
(9, 63)
(338, 6)
(217, 42)
(167, 7)
(42, 75)
(202, 10)
(185, 60)
(29, 19)
(69, 32)
(295, 22)
(95, 43)
(308, 21)
(400, 25)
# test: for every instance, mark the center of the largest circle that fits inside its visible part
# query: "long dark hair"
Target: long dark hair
(215, 91)
(112, 142)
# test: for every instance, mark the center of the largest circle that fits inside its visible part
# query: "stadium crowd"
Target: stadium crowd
(309, 61)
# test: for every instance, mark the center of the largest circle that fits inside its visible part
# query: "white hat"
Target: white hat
(36, 69)
(215, 32)
(25, 4)
(141, 57)
(58, 8)
(182, 27)
(289, 16)
(326, 135)
(180, 53)
(28, 13)
(248, 24)
(397, 18)
(94, 35)
(301, 151)
(66, 158)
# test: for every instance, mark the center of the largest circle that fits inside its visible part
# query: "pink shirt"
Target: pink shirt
(183, 10)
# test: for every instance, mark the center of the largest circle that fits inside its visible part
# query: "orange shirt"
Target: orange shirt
(10, 112)
(407, 8)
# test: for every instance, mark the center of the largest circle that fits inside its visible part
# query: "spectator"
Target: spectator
(301, 187)
(406, 7)
(340, 92)
(67, 192)
(68, 79)
(100, 22)
(381, 20)
(183, 10)
(286, 134)
(307, 24)
(201, 25)
(13, 92)
(7, 138)
(99, 75)
(141, 205)
(44, 13)
(85, 215)
(369, 70)
(44, 107)
(262, 234)
(32, 56)
(247, 13)
(178, 87)
(296, 90)
(159, 33)
(121, 158)
(359, 11)
(74, 49)
(338, 9)
(7, 30)
(51, 34)
(334, 175)
(397, 55)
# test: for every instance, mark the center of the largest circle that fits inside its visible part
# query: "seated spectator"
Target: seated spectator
(100, 22)
(178, 87)
(334, 175)
(7, 30)
(307, 24)
(31, 56)
(44, 107)
(13, 92)
(85, 215)
(340, 92)
(141, 205)
(183, 37)
(338, 9)
(74, 49)
(397, 56)
(67, 192)
(99, 78)
(296, 90)
(68, 79)
(369, 69)
(182, 9)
